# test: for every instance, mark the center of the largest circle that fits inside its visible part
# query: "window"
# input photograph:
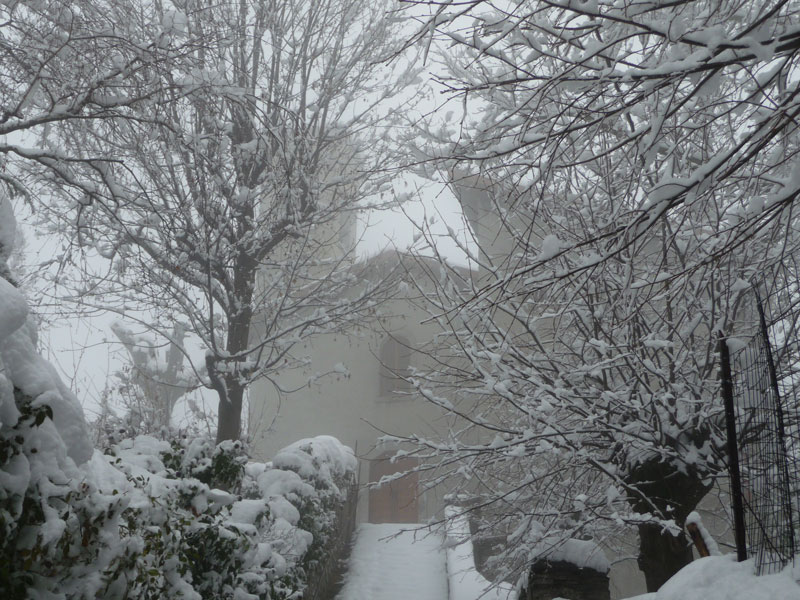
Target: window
(395, 357)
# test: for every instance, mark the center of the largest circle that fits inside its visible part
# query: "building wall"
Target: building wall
(338, 393)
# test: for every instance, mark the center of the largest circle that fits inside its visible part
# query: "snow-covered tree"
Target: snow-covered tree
(77, 524)
(689, 106)
(627, 168)
(156, 377)
(86, 61)
(234, 212)
(589, 406)
(67, 60)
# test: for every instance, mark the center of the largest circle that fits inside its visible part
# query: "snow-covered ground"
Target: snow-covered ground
(401, 562)
(395, 562)
(722, 578)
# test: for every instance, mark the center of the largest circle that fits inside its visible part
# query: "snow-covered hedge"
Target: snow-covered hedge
(153, 519)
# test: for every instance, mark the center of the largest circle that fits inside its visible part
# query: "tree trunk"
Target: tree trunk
(229, 421)
(673, 492)
(661, 555)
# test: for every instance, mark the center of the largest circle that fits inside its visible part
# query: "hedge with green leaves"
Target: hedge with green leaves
(153, 519)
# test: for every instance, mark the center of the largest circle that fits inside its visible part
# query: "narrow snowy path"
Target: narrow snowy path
(388, 563)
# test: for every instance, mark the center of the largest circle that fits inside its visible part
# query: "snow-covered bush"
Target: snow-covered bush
(321, 462)
(220, 466)
(54, 527)
(213, 526)
(154, 519)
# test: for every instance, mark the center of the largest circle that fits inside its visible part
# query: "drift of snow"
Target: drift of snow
(389, 562)
(722, 578)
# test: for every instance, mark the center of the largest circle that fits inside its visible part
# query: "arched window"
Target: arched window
(395, 357)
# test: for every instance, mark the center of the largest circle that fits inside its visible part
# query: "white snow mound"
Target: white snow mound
(322, 457)
(722, 578)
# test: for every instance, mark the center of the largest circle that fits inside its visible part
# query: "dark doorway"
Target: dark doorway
(394, 502)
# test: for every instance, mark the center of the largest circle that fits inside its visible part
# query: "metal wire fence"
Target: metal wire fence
(766, 388)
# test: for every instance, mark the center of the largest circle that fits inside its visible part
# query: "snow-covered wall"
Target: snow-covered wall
(464, 580)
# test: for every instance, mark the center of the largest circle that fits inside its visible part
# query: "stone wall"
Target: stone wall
(560, 579)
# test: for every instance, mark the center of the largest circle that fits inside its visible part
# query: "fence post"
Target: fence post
(733, 450)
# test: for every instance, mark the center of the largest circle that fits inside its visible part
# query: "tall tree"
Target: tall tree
(235, 211)
(631, 169)
(66, 61)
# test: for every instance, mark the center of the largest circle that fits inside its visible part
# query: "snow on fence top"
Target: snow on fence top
(695, 519)
(584, 554)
